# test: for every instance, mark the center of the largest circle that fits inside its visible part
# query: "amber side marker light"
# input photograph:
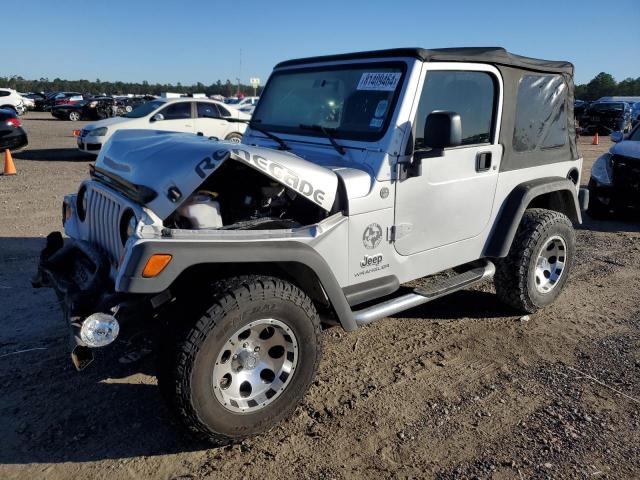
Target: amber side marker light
(156, 264)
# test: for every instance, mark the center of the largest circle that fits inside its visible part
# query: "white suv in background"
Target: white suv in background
(188, 115)
(9, 98)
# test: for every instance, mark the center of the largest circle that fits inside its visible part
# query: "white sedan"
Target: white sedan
(189, 115)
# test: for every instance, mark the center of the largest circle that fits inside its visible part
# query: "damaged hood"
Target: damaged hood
(174, 165)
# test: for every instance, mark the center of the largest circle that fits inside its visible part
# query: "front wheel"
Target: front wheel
(246, 363)
(74, 116)
(536, 269)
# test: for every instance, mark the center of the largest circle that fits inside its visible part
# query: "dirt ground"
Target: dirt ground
(460, 388)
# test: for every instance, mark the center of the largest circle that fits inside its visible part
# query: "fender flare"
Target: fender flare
(512, 209)
(187, 254)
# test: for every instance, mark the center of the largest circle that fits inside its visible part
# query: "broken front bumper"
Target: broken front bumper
(79, 274)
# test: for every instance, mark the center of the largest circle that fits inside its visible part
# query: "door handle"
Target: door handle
(483, 161)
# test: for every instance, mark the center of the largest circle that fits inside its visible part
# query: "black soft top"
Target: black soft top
(493, 55)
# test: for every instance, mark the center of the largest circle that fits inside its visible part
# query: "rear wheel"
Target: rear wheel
(246, 362)
(234, 138)
(74, 116)
(536, 269)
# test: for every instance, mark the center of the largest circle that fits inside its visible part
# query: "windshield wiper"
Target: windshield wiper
(252, 125)
(319, 128)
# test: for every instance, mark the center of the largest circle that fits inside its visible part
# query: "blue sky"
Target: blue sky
(201, 40)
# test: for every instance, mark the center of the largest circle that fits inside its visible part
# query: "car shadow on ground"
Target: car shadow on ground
(616, 222)
(475, 304)
(52, 119)
(54, 154)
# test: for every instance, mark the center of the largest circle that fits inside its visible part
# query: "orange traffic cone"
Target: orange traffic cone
(9, 167)
(596, 139)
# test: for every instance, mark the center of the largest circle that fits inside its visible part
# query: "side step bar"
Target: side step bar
(424, 295)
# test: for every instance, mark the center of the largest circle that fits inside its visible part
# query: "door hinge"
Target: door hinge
(395, 232)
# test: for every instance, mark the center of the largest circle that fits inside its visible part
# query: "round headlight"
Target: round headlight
(81, 203)
(128, 222)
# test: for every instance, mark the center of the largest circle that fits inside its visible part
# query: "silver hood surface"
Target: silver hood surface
(182, 161)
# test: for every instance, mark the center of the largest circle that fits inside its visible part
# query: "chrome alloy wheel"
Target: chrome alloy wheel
(550, 264)
(255, 365)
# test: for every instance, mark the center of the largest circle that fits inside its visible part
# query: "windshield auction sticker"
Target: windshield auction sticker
(379, 81)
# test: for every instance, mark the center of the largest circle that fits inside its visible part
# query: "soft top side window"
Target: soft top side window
(470, 93)
(541, 115)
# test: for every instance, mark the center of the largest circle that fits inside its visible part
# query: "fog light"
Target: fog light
(99, 329)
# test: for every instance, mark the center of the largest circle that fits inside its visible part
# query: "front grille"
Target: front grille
(626, 177)
(103, 215)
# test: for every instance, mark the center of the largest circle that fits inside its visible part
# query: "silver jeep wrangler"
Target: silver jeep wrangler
(358, 173)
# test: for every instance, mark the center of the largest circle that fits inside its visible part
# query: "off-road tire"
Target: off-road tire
(514, 279)
(185, 365)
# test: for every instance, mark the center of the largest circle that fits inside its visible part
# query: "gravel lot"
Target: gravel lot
(460, 388)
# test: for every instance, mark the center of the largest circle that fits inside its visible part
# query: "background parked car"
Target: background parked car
(38, 99)
(10, 99)
(12, 135)
(635, 113)
(57, 98)
(615, 176)
(607, 117)
(185, 114)
(96, 108)
(579, 107)
(129, 103)
(29, 103)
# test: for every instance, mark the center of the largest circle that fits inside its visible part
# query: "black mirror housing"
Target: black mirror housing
(442, 129)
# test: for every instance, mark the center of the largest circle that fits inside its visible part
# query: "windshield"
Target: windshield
(635, 135)
(144, 109)
(354, 101)
(601, 107)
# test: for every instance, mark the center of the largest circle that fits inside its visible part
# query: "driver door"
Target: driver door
(452, 198)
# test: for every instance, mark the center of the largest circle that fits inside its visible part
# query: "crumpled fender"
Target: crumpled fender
(167, 160)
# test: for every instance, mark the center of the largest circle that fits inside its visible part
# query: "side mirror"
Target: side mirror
(442, 129)
(616, 136)
(157, 117)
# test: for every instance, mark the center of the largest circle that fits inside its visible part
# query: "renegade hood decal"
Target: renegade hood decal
(178, 162)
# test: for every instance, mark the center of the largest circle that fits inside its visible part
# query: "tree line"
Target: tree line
(21, 84)
(604, 85)
(601, 85)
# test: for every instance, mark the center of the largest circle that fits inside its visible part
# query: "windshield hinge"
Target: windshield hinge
(398, 231)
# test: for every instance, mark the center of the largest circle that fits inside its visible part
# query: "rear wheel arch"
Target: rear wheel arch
(551, 193)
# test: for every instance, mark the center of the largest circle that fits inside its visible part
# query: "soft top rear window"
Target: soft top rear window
(541, 114)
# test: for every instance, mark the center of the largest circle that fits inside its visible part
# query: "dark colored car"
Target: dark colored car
(606, 117)
(55, 98)
(579, 108)
(615, 176)
(12, 135)
(128, 104)
(38, 99)
(95, 108)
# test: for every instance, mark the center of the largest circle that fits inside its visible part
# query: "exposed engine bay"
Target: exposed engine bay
(238, 197)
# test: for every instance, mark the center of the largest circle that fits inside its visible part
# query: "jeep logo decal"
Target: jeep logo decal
(371, 260)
